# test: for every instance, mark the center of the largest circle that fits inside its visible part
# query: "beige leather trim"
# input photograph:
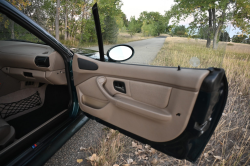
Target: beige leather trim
(57, 77)
(149, 128)
(90, 88)
(139, 111)
(93, 102)
(133, 105)
(22, 55)
(38, 76)
(155, 95)
(186, 79)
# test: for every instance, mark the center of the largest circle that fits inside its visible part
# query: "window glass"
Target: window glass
(11, 31)
(163, 36)
(190, 33)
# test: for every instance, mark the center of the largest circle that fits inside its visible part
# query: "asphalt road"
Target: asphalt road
(89, 135)
(145, 50)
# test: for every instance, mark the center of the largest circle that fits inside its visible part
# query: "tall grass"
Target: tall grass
(230, 143)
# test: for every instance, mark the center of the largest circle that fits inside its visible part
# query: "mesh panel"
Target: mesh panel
(9, 109)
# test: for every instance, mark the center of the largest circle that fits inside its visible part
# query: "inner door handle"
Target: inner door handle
(119, 86)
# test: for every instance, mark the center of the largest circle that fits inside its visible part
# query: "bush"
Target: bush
(180, 33)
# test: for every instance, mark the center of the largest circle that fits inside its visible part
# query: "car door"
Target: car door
(173, 109)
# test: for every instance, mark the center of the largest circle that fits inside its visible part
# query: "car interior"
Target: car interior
(33, 90)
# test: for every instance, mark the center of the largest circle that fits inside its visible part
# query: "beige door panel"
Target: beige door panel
(151, 107)
(164, 127)
(133, 105)
(156, 95)
(186, 79)
(56, 77)
(22, 55)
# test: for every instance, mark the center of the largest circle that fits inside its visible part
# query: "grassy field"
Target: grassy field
(230, 143)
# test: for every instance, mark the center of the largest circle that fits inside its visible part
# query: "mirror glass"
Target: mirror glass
(120, 53)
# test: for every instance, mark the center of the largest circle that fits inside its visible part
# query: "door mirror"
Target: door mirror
(120, 53)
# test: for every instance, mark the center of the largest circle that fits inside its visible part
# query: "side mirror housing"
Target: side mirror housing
(120, 53)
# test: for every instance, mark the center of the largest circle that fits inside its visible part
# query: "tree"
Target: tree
(224, 37)
(179, 30)
(132, 26)
(74, 19)
(239, 38)
(214, 13)
(241, 16)
(110, 30)
(153, 23)
(109, 12)
(57, 18)
(66, 20)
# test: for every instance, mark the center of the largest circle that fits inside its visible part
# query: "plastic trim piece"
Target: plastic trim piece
(86, 65)
(98, 31)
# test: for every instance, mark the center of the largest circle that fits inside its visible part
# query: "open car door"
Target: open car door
(174, 110)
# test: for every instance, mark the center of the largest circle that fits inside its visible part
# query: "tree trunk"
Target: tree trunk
(214, 20)
(66, 22)
(220, 24)
(57, 19)
(215, 40)
(210, 29)
(12, 30)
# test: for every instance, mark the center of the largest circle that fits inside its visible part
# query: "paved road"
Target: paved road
(145, 50)
(89, 134)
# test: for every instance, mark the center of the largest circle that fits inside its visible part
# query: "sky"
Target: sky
(135, 7)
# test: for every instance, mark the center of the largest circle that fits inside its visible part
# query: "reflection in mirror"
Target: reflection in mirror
(120, 53)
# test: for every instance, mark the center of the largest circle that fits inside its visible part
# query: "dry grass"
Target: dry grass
(230, 143)
(231, 139)
(108, 151)
(122, 38)
(125, 37)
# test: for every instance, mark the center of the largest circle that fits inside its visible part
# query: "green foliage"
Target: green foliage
(110, 30)
(153, 23)
(224, 37)
(9, 30)
(133, 26)
(241, 16)
(76, 20)
(111, 19)
(212, 14)
(179, 30)
(88, 34)
(149, 29)
(239, 38)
